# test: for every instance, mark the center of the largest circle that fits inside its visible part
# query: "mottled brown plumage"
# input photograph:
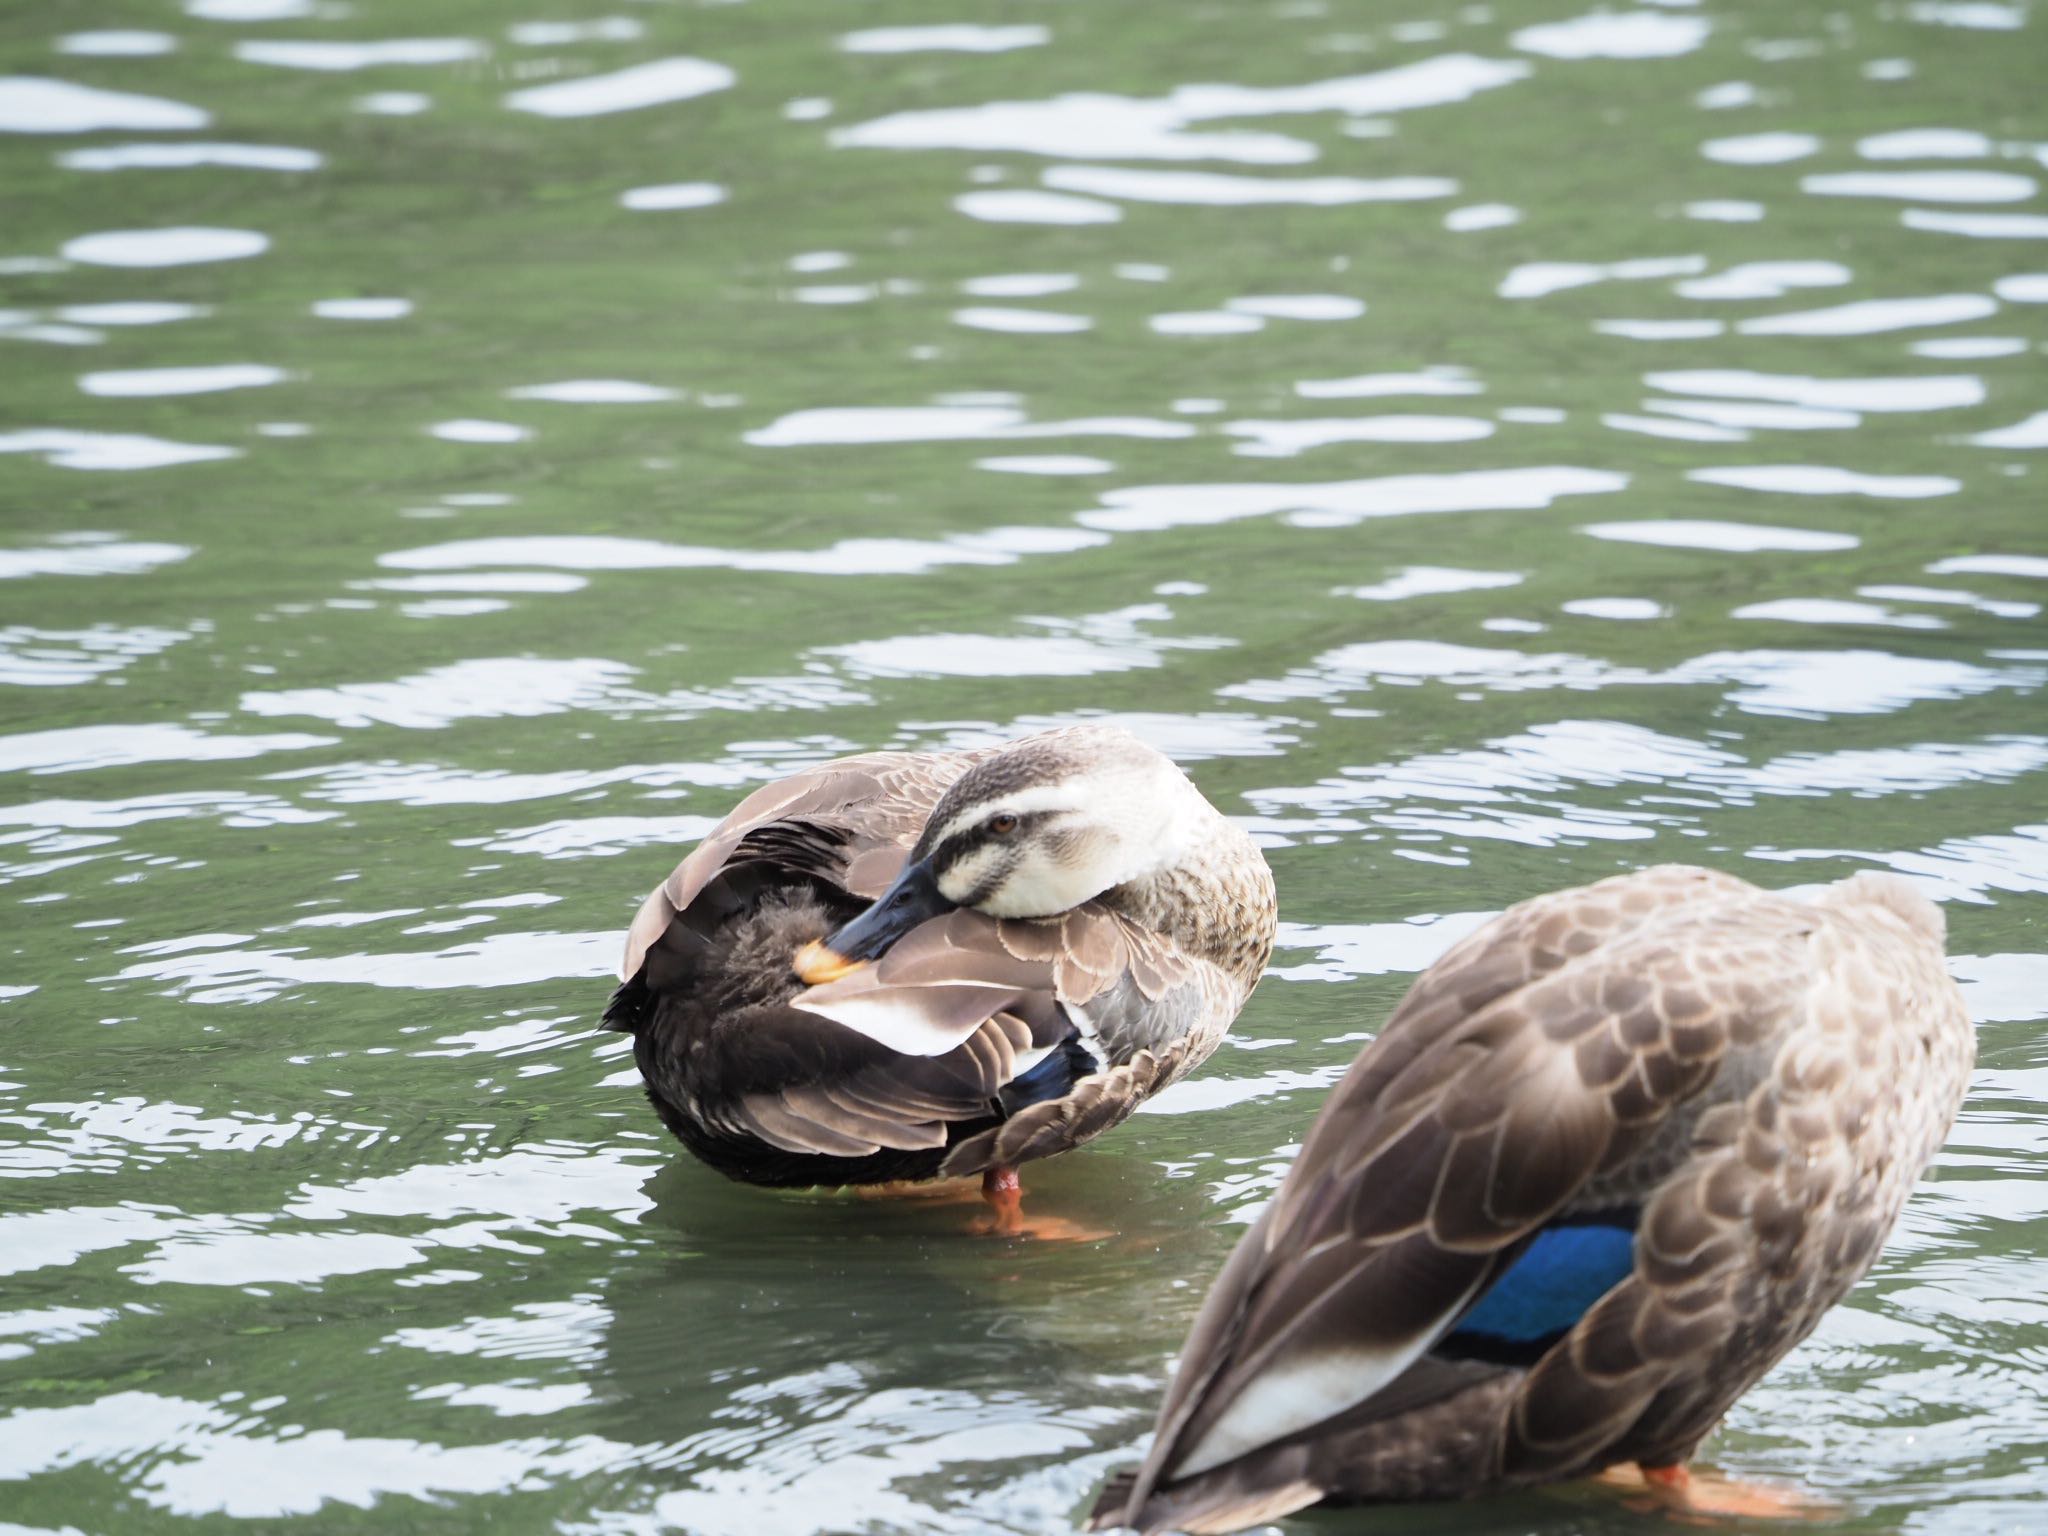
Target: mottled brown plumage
(973, 1041)
(1749, 1083)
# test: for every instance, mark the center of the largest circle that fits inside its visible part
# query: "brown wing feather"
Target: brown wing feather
(1503, 1088)
(905, 1104)
(944, 979)
(876, 803)
(1783, 1205)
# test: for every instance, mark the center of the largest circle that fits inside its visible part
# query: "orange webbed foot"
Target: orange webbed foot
(1004, 1192)
(1706, 1498)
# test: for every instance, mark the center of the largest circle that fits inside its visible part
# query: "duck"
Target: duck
(1612, 1156)
(904, 967)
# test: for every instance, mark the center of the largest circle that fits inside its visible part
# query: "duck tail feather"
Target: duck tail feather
(1089, 1108)
(1207, 1505)
(627, 1010)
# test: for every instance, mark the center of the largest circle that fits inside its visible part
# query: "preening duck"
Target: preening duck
(910, 966)
(1612, 1156)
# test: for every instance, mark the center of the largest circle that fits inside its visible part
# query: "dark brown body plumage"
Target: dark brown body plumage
(974, 1042)
(1755, 1081)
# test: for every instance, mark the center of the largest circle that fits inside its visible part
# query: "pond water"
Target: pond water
(451, 451)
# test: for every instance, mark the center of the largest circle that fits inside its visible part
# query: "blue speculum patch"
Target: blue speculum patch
(1553, 1284)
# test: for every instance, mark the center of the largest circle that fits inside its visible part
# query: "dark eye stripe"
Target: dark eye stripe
(994, 878)
(960, 844)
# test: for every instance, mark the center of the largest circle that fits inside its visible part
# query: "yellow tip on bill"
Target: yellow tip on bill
(815, 964)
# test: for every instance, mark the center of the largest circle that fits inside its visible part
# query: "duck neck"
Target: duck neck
(1215, 902)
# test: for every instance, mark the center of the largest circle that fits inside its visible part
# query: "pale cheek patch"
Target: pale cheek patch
(965, 878)
(1077, 846)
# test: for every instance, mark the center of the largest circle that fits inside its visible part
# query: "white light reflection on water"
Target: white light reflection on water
(117, 44)
(478, 689)
(1429, 581)
(2028, 434)
(1095, 125)
(853, 1448)
(1534, 279)
(1964, 869)
(1826, 480)
(333, 57)
(626, 90)
(252, 157)
(1284, 439)
(1337, 504)
(556, 34)
(1761, 148)
(497, 960)
(73, 749)
(595, 837)
(959, 37)
(1021, 205)
(1045, 464)
(1205, 322)
(176, 247)
(70, 449)
(1107, 642)
(362, 309)
(938, 423)
(1873, 316)
(1700, 533)
(29, 104)
(88, 554)
(1765, 279)
(146, 382)
(1533, 788)
(1947, 596)
(198, 1458)
(1978, 226)
(595, 392)
(1835, 610)
(674, 194)
(1615, 35)
(1925, 186)
(1218, 190)
(49, 658)
(849, 557)
(1965, 348)
(1432, 381)
(1940, 392)
(1021, 322)
(1811, 684)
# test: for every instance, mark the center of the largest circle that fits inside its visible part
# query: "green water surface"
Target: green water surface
(1493, 446)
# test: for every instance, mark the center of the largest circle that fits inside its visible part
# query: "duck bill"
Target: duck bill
(913, 899)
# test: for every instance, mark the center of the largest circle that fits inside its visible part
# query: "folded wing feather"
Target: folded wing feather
(1488, 1104)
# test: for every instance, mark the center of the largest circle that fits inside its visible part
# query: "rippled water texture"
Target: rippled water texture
(453, 450)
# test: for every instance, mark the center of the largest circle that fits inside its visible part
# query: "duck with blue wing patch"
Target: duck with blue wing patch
(1612, 1156)
(918, 966)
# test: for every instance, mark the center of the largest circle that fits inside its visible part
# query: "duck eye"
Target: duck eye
(1002, 824)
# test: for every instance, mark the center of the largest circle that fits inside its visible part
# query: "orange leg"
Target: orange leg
(1004, 1192)
(1705, 1498)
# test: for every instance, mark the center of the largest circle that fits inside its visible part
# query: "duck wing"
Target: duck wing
(1053, 1030)
(1516, 1080)
(850, 823)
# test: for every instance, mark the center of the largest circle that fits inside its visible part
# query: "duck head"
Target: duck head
(1035, 830)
